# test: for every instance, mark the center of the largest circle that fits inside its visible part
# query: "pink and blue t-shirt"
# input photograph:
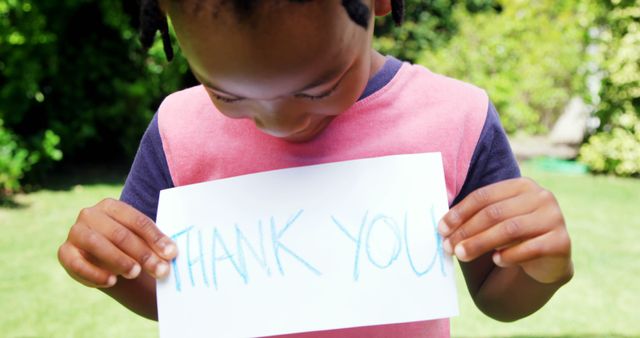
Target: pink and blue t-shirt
(404, 109)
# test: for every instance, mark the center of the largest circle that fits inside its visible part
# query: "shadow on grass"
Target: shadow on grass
(574, 335)
(7, 202)
(68, 177)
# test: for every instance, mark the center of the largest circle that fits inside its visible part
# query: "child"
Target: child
(288, 83)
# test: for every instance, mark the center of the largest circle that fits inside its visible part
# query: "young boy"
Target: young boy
(291, 83)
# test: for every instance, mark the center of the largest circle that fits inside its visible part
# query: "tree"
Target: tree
(428, 26)
(75, 81)
(530, 57)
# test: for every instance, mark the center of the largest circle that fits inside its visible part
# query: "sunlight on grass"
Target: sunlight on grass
(38, 299)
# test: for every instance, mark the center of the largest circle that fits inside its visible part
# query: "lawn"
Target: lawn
(38, 299)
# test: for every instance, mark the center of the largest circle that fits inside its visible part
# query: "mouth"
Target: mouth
(310, 132)
(305, 132)
(284, 132)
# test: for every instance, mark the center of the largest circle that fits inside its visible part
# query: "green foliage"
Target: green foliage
(75, 81)
(14, 161)
(619, 42)
(616, 147)
(428, 25)
(529, 57)
(617, 150)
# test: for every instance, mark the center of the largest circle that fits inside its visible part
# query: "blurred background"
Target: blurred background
(77, 92)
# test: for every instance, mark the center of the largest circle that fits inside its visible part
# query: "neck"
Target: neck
(377, 61)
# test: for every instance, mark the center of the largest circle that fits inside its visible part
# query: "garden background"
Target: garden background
(76, 93)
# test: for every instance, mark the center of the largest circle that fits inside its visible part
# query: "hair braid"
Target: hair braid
(397, 11)
(357, 11)
(152, 20)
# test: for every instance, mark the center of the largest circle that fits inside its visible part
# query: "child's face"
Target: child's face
(291, 67)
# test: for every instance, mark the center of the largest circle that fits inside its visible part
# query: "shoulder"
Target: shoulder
(190, 99)
(439, 87)
(185, 112)
(457, 104)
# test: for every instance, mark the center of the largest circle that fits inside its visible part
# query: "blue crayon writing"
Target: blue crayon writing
(438, 254)
(210, 256)
(277, 245)
(221, 251)
(174, 265)
(399, 238)
(239, 266)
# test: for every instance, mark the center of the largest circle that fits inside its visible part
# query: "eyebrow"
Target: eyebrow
(325, 78)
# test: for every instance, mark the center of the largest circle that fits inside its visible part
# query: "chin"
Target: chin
(304, 135)
(299, 138)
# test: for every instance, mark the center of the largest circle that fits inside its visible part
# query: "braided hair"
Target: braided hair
(153, 20)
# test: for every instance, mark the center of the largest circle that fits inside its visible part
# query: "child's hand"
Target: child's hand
(517, 220)
(111, 239)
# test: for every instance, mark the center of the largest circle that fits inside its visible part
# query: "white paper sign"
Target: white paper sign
(313, 248)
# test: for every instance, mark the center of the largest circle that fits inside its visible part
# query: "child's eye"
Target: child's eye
(225, 99)
(317, 97)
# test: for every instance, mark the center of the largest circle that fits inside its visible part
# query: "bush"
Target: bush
(428, 26)
(16, 160)
(616, 151)
(615, 148)
(74, 79)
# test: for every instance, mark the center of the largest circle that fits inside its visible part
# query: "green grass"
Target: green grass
(603, 299)
(38, 299)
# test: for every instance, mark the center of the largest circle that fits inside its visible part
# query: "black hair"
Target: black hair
(153, 20)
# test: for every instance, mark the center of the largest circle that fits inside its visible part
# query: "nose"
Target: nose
(280, 118)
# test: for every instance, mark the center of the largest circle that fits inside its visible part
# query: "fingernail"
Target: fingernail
(446, 246)
(461, 253)
(161, 270)
(170, 250)
(443, 228)
(111, 281)
(497, 259)
(133, 273)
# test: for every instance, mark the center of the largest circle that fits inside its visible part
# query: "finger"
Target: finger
(554, 243)
(142, 226)
(83, 271)
(546, 258)
(133, 246)
(490, 216)
(105, 252)
(479, 199)
(503, 235)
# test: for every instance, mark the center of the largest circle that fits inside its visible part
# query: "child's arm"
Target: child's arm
(89, 255)
(513, 245)
(113, 239)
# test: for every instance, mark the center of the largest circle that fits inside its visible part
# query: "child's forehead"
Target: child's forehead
(306, 25)
(243, 10)
(291, 51)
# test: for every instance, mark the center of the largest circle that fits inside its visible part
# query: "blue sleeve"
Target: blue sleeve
(149, 173)
(492, 160)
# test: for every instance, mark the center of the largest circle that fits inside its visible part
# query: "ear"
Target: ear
(382, 7)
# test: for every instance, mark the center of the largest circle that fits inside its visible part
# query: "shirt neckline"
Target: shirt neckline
(382, 77)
